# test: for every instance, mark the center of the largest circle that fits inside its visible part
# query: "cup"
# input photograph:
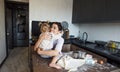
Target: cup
(82, 54)
(75, 55)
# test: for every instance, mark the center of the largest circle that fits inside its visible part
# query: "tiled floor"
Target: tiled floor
(17, 61)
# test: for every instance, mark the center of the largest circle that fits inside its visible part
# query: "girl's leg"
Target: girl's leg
(53, 63)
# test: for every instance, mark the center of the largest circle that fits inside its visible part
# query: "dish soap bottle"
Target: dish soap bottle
(79, 35)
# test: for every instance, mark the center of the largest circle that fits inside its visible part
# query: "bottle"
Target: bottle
(67, 34)
(113, 45)
(79, 35)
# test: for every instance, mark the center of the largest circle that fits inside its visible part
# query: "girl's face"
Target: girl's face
(55, 29)
(46, 28)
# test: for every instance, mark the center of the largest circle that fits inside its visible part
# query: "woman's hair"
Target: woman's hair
(60, 28)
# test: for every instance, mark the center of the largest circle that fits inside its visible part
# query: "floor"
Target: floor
(17, 61)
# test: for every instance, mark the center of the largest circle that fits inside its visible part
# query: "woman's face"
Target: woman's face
(55, 29)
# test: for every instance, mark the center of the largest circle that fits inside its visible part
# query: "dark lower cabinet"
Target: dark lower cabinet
(115, 63)
(96, 56)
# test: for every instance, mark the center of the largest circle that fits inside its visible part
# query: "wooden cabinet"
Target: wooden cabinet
(39, 64)
(76, 48)
(66, 47)
(89, 11)
(98, 57)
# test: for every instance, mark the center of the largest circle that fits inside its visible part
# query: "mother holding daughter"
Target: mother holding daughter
(50, 43)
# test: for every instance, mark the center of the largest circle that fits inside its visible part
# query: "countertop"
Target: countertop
(103, 51)
(39, 64)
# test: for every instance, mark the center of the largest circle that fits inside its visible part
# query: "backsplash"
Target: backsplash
(101, 31)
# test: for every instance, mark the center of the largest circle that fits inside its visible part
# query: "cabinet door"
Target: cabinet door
(66, 47)
(88, 11)
(99, 10)
(82, 10)
(76, 48)
(112, 10)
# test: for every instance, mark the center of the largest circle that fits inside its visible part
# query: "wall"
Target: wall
(52, 10)
(102, 31)
(61, 10)
(2, 32)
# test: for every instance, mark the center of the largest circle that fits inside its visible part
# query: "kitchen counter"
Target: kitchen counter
(39, 64)
(103, 51)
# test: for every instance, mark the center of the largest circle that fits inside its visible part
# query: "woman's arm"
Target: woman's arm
(54, 52)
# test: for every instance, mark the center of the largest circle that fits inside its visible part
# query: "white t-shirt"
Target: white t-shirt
(47, 44)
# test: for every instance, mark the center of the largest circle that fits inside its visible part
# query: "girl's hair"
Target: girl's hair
(44, 26)
(59, 25)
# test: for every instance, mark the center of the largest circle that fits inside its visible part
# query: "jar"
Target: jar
(75, 55)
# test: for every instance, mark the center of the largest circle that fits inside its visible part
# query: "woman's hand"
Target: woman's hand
(35, 49)
(39, 51)
(47, 36)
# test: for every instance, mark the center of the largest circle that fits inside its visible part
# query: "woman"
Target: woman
(55, 52)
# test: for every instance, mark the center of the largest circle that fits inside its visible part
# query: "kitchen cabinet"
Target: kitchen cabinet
(98, 57)
(112, 10)
(39, 64)
(92, 11)
(88, 11)
(76, 48)
(66, 47)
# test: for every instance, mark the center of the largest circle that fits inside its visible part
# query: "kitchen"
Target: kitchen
(62, 11)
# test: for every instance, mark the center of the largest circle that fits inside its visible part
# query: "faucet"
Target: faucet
(84, 37)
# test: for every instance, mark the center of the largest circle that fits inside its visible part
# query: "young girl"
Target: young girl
(58, 41)
(47, 42)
